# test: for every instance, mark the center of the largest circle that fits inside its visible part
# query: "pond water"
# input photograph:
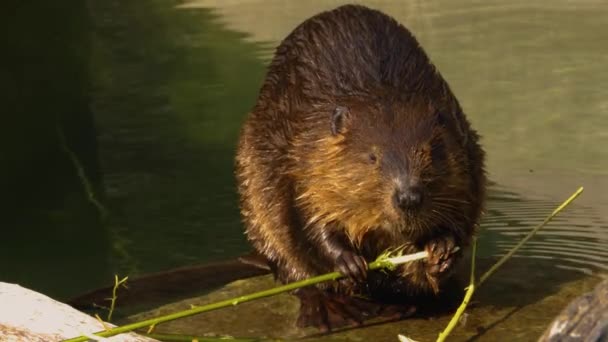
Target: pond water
(172, 81)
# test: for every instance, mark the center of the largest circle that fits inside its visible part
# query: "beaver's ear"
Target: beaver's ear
(339, 120)
(450, 121)
(439, 115)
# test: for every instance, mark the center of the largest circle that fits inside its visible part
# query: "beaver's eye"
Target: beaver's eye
(372, 158)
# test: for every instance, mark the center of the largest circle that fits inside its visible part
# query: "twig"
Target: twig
(117, 283)
(502, 260)
(471, 289)
(467, 297)
(104, 324)
(383, 261)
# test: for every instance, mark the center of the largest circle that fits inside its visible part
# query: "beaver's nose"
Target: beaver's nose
(408, 199)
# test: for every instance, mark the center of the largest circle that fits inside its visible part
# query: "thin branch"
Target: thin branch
(388, 260)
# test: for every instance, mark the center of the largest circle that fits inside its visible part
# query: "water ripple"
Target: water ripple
(577, 239)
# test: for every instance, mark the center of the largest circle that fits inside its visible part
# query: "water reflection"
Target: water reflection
(50, 230)
(171, 88)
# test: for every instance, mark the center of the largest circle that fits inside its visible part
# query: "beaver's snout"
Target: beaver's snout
(408, 198)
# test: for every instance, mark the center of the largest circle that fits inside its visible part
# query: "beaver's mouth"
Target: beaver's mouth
(412, 224)
(411, 215)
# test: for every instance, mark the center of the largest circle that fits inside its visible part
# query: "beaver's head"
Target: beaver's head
(396, 166)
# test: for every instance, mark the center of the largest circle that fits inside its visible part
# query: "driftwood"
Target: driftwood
(584, 319)
(26, 315)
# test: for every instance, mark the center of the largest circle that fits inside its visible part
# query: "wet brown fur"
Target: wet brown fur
(300, 184)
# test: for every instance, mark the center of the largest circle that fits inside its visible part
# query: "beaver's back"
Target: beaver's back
(345, 51)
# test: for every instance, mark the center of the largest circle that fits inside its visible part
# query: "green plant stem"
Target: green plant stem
(472, 286)
(117, 283)
(382, 262)
(507, 256)
(467, 298)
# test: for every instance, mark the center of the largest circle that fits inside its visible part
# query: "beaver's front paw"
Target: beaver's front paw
(352, 265)
(441, 256)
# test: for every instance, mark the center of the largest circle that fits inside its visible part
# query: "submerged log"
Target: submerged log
(179, 283)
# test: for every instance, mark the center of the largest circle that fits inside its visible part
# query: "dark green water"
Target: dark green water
(52, 239)
(150, 96)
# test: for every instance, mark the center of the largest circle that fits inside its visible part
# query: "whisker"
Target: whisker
(449, 199)
(452, 212)
(447, 206)
(445, 218)
(454, 215)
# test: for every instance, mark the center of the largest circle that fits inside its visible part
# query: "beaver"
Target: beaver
(356, 145)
